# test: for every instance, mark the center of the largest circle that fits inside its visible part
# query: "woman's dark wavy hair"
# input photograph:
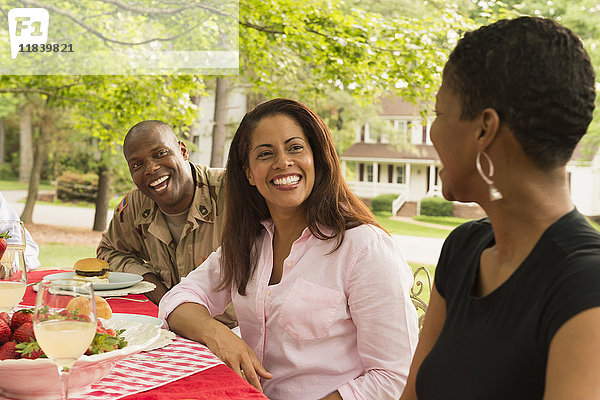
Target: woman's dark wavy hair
(538, 77)
(331, 204)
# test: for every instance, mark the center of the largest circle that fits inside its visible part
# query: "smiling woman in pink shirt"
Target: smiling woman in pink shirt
(319, 288)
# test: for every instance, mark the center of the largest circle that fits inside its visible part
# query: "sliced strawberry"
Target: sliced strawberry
(24, 333)
(20, 317)
(5, 332)
(8, 351)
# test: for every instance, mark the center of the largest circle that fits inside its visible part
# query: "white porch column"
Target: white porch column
(431, 176)
(407, 181)
(375, 178)
(344, 169)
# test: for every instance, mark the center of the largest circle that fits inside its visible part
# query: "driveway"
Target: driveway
(77, 217)
(420, 250)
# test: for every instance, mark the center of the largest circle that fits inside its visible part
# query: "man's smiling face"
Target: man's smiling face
(159, 168)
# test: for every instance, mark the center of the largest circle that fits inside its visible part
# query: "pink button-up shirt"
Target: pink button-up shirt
(341, 321)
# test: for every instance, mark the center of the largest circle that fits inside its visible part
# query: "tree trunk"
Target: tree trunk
(25, 143)
(219, 133)
(2, 141)
(34, 180)
(102, 198)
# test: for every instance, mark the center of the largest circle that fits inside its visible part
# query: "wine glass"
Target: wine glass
(13, 272)
(64, 323)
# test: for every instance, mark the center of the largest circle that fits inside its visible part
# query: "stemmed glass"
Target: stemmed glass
(13, 272)
(64, 323)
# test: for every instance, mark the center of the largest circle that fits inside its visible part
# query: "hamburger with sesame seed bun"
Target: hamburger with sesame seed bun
(92, 270)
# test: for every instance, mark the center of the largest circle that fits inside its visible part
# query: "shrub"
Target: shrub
(383, 202)
(75, 186)
(436, 207)
(8, 171)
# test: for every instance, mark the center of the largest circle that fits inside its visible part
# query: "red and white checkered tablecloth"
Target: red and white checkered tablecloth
(144, 371)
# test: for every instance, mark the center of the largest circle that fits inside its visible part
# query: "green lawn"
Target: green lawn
(408, 229)
(447, 221)
(58, 255)
(14, 185)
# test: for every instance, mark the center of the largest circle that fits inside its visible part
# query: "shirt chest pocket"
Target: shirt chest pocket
(309, 310)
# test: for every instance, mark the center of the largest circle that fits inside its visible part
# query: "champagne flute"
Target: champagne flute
(13, 272)
(64, 323)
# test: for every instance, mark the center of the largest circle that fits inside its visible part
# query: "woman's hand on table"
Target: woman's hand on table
(219, 339)
(238, 356)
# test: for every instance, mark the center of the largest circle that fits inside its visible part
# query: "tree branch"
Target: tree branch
(98, 34)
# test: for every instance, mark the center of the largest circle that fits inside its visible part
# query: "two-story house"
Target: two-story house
(373, 166)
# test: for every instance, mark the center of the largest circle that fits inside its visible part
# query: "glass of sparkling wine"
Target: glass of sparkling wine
(13, 273)
(64, 323)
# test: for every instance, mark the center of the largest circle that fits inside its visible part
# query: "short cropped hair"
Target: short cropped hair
(538, 77)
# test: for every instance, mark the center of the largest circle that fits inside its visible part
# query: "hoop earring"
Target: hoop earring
(493, 190)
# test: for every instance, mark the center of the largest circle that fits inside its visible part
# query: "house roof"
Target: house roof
(387, 151)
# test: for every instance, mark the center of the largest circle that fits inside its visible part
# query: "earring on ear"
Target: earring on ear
(493, 190)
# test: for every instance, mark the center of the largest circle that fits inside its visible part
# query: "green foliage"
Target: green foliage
(383, 202)
(436, 206)
(8, 171)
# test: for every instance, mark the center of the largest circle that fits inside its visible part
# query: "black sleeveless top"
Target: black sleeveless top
(496, 346)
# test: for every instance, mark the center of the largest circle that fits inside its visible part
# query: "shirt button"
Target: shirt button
(288, 264)
(269, 292)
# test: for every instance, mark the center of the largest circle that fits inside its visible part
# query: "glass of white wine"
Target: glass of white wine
(13, 272)
(64, 323)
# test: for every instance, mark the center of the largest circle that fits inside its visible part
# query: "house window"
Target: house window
(424, 136)
(400, 174)
(390, 173)
(369, 173)
(361, 172)
(437, 176)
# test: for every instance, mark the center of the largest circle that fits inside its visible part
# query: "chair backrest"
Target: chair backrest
(420, 292)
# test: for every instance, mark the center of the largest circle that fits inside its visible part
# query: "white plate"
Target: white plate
(116, 280)
(142, 319)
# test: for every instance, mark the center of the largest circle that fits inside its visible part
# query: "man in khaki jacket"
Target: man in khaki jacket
(172, 220)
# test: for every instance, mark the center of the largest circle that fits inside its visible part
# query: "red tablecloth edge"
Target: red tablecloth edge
(216, 383)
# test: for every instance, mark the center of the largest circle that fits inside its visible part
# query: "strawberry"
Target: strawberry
(24, 333)
(8, 351)
(5, 317)
(30, 350)
(20, 317)
(3, 244)
(5, 332)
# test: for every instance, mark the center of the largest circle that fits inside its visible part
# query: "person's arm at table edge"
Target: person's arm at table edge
(432, 326)
(159, 291)
(225, 344)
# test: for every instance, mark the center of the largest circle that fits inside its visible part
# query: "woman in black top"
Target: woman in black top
(515, 311)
